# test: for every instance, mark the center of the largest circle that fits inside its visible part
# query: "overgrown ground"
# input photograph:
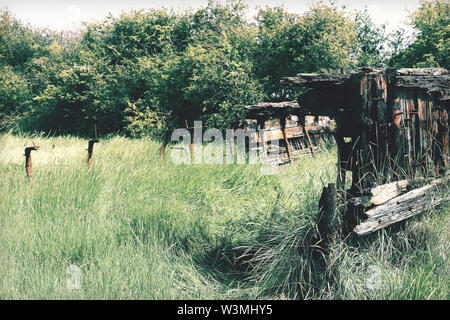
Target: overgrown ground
(141, 229)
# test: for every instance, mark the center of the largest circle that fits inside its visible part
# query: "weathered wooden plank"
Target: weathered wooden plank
(404, 206)
(266, 105)
(267, 110)
(292, 132)
(432, 83)
(418, 71)
(445, 136)
(316, 79)
(383, 193)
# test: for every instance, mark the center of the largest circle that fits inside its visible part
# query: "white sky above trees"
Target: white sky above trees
(68, 14)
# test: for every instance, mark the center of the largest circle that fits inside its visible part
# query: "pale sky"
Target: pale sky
(68, 14)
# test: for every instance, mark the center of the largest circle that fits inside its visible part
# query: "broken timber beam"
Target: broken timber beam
(404, 206)
(383, 193)
(316, 79)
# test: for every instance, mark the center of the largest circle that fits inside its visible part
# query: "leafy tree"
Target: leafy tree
(321, 40)
(124, 57)
(14, 96)
(19, 46)
(432, 46)
(275, 52)
(372, 41)
(398, 41)
(212, 79)
(211, 83)
(328, 41)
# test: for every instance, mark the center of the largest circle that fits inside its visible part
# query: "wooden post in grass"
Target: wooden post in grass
(260, 123)
(283, 121)
(28, 164)
(329, 224)
(90, 149)
(231, 142)
(191, 131)
(163, 147)
(311, 146)
(395, 205)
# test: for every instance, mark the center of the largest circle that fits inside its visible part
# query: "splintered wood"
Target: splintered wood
(404, 206)
(381, 194)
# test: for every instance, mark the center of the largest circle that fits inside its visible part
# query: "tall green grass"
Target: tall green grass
(142, 229)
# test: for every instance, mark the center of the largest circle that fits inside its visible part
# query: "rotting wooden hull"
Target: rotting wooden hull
(391, 125)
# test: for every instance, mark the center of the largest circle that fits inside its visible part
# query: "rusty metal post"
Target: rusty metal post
(28, 164)
(90, 149)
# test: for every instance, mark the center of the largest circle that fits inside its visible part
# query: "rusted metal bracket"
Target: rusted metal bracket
(28, 167)
(90, 148)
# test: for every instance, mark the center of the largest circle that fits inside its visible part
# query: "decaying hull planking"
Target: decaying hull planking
(390, 125)
(285, 122)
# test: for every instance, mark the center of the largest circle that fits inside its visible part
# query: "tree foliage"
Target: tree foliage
(147, 72)
(432, 45)
(321, 40)
(372, 41)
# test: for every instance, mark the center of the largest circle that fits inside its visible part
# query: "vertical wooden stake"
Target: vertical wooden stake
(161, 153)
(445, 137)
(329, 224)
(311, 146)
(192, 139)
(261, 136)
(163, 146)
(283, 128)
(231, 142)
(90, 149)
(341, 171)
(28, 163)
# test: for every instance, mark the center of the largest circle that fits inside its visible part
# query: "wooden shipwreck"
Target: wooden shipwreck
(392, 133)
(285, 122)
